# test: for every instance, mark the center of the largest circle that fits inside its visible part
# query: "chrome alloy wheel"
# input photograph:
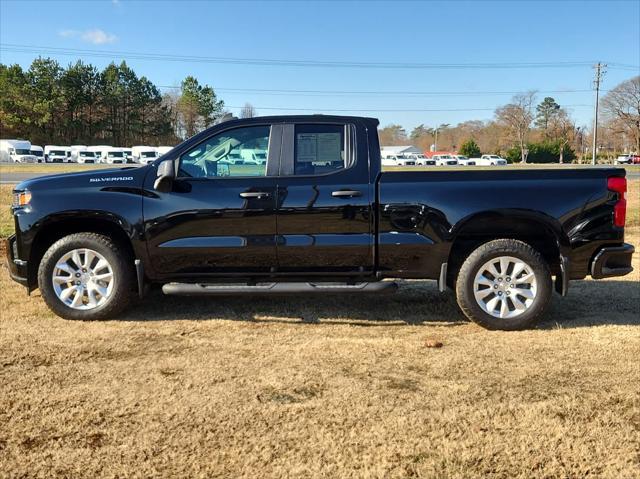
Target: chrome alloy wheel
(83, 279)
(505, 287)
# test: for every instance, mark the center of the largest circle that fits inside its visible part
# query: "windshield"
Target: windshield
(115, 154)
(261, 156)
(494, 157)
(445, 157)
(36, 152)
(87, 154)
(148, 154)
(58, 153)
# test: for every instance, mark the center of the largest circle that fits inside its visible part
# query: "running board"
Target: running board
(203, 289)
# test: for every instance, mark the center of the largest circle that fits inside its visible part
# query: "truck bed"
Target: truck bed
(425, 211)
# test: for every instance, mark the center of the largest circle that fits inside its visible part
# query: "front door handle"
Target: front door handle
(346, 193)
(255, 194)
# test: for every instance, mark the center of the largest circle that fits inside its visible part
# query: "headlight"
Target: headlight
(21, 199)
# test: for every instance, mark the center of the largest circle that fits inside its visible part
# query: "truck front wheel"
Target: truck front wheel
(85, 276)
(504, 284)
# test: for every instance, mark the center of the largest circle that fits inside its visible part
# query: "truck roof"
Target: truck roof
(302, 118)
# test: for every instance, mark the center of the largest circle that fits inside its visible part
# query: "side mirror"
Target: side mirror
(166, 175)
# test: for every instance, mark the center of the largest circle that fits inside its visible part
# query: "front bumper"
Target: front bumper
(612, 261)
(17, 268)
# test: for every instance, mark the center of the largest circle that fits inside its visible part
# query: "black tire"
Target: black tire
(121, 265)
(495, 249)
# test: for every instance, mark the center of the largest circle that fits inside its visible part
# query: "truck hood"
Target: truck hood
(130, 177)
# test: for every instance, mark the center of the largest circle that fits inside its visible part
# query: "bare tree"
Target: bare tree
(517, 117)
(248, 111)
(621, 107)
(563, 129)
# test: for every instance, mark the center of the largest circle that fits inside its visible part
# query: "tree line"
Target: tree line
(80, 104)
(526, 130)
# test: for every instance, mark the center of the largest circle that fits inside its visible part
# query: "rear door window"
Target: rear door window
(321, 149)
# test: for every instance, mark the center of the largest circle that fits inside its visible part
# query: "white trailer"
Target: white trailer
(144, 154)
(114, 156)
(108, 154)
(128, 154)
(98, 150)
(163, 149)
(80, 154)
(57, 154)
(38, 152)
(16, 151)
(254, 156)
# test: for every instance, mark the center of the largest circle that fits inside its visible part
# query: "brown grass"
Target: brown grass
(322, 387)
(52, 168)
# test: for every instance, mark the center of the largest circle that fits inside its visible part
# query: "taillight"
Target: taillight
(619, 185)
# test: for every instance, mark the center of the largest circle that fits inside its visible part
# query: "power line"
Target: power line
(22, 48)
(378, 110)
(278, 92)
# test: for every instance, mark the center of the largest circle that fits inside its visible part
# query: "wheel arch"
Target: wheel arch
(59, 226)
(541, 231)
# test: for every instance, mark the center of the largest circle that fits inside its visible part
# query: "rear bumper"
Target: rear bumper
(612, 261)
(17, 267)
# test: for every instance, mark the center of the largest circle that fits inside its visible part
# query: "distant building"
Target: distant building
(401, 150)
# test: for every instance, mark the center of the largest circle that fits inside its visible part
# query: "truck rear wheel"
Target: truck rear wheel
(85, 276)
(504, 284)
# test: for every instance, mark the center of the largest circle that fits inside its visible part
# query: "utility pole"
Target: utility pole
(596, 83)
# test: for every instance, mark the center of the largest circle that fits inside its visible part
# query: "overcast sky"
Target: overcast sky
(420, 35)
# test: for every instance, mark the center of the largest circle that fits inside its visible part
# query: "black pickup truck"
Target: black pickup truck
(298, 204)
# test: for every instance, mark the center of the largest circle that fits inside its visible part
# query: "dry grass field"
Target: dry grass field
(323, 387)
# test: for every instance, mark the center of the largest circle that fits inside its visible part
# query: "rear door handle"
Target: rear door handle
(346, 193)
(255, 194)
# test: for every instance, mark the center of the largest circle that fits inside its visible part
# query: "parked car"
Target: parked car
(16, 151)
(464, 160)
(624, 160)
(423, 160)
(144, 154)
(320, 218)
(490, 160)
(445, 160)
(397, 160)
(57, 154)
(635, 159)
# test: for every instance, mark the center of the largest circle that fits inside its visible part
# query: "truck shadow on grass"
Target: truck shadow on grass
(414, 304)
(590, 303)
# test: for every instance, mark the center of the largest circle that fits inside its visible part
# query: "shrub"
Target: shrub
(470, 149)
(544, 152)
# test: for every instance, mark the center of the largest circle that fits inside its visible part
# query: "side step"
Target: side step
(203, 289)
